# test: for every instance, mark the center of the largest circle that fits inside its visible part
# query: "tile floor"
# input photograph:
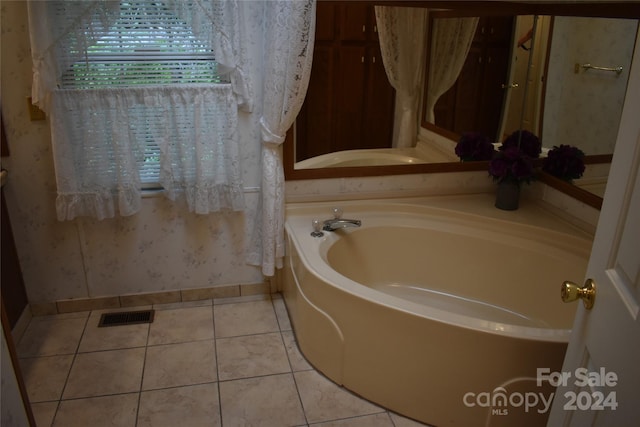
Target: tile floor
(231, 362)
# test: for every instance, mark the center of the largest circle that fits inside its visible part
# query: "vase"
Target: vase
(508, 195)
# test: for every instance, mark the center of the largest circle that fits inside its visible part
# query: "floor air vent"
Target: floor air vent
(126, 318)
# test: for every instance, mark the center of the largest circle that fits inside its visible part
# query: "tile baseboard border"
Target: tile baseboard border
(164, 297)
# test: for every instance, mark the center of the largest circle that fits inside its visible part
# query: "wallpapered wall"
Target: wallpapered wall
(162, 248)
(589, 103)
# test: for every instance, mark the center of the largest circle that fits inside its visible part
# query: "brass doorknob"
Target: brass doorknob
(571, 292)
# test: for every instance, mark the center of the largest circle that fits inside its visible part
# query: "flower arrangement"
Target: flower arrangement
(528, 143)
(473, 146)
(514, 160)
(564, 162)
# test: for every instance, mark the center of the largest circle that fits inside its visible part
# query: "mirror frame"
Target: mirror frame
(624, 10)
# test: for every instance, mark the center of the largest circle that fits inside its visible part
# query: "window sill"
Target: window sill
(152, 192)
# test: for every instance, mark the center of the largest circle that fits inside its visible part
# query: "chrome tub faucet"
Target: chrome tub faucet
(337, 222)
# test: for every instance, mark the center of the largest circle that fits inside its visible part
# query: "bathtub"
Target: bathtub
(371, 157)
(432, 312)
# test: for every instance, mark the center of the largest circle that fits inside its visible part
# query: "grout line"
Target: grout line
(55, 414)
(217, 367)
(73, 361)
(144, 367)
(83, 251)
(275, 374)
(248, 335)
(304, 411)
(218, 381)
(292, 373)
(98, 396)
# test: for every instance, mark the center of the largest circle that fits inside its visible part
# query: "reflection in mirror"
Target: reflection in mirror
(363, 103)
(583, 106)
(487, 92)
(541, 115)
(489, 53)
(350, 101)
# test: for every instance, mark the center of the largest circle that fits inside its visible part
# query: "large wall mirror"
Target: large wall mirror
(522, 66)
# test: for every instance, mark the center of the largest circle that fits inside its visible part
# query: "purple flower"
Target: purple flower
(529, 144)
(564, 162)
(522, 168)
(474, 146)
(514, 161)
(498, 167)
(511, 153)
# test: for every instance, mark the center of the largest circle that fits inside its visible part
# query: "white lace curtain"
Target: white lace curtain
(97, 142)
(402, 32)
(450, 46)
(288, 53)
(97, 166)
(61, 32)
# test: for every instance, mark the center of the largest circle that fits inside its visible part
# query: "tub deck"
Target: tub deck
(412, 345)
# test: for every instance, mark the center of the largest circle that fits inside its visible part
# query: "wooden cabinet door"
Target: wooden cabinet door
(354, 21)
(349, 103)
(350, 95)
(380, 107)
(314, 124)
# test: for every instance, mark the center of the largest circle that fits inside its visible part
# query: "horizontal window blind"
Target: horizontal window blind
(147, 45)
(138, 70)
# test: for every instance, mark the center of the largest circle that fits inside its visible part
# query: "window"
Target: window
(146, 46)
(138, 97)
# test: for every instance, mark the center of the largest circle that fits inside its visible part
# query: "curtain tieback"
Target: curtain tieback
(268, 136)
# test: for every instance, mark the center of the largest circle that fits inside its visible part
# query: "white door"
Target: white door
(600, 381)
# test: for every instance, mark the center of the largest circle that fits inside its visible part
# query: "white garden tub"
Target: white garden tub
(422, 309)
(370, 157)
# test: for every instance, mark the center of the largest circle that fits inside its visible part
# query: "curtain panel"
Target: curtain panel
(452, 38)
(402, 34)
(60, 33)
(288, 49)
(97, 165)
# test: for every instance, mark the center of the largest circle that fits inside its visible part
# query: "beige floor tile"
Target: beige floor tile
(181, 325)
(324, 400)
(297, 360)
(282, 314)
(270, 401)
(181, 364)
(44, 412)
(400, 421)
(191, 406)
(105, 372)
(112, 337)
(376, 420)
(251, 355)
(51, 336)
(106, 411)
(179, 380)
(44, 377)
(246, 318)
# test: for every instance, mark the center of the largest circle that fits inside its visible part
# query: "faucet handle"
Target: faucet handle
(337, 213)
(317, 226)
